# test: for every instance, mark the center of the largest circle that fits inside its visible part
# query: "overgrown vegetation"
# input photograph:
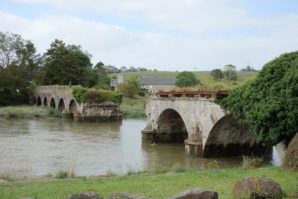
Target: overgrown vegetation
(27, 112)
(133, 108)
(269, 104)
(159, 184)
(252, 162)
(83, 95)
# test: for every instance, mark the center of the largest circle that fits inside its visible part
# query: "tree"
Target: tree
(127, 89)
(230, 72)
(66, 65)
(248, 68)
(186, 78)
(269, 104)
(103, 80)
(217, 74)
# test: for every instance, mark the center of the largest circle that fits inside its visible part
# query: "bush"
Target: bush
(143, 91)
(252, 162)
(94, 97)
(127, 89)
(118, 98)
(79, 93)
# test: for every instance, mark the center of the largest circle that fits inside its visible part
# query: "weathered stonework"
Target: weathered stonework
(61, 98)
(210, 131)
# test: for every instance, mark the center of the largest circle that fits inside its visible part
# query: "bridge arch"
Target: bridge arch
(229, 138)
(52, 103)
(45, 101)
(171, 127)
(39, 101)
(72, 106)
(61, 105)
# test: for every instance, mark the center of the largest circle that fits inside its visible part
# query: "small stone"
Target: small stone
(87, 195)
(196, 193)
(253, 187)
(125, 195)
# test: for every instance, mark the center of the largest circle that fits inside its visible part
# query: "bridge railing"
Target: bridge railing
(54, 89)
(191, 94)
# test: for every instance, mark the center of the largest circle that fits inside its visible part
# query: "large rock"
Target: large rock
(125, 195)
(253, 187)
(291, 159)
(87, 195)
(196, 193)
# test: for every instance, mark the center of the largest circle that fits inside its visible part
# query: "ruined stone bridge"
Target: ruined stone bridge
(206, 129)
(60, 97)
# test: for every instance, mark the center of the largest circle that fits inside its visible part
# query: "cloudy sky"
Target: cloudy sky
(162, 34)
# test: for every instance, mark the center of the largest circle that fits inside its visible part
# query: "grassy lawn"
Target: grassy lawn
(155, 185)
(27, 112)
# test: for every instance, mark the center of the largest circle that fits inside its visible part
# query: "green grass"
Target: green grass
(204, 76)
(27, 112)
(155, 185)
(133, 108)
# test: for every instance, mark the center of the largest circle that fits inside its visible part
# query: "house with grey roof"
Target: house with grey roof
(155, 84)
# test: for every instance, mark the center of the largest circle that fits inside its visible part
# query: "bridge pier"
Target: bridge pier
(193, 149)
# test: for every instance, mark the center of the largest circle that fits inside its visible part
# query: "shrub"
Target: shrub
(94, 97)
(127, 89)
(79, 93)
(62, 174)
(251, 162)
(118, 98)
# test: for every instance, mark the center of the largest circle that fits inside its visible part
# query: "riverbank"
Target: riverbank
(133, 108)
(158, 184)
(28, 112)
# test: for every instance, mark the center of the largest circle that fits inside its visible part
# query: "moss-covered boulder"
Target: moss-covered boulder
(253, 187)
(291, 158)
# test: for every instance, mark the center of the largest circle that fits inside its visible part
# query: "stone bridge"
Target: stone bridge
(60, 97)
(206, 129)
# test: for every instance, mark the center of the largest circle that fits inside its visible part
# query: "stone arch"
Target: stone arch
(61, 105)
(45, 101)
(72, 106)
(228, 138)
(52, 103)
(171, 127)
(39, 101)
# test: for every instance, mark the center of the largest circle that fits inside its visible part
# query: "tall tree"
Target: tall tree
(269, 104)
(230, 72)
(217, 74)
(66, 65)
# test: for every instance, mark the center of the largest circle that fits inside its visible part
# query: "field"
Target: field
(158, 184)
(208, 83)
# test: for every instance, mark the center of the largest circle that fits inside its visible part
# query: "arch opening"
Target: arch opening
(72, 107)
(38, 101)
(228, 138)
(34, 100)
(52, 103)
(45, 101)
(171, 127)
(61, 105)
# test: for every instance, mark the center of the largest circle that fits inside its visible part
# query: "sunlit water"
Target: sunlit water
(41, 147)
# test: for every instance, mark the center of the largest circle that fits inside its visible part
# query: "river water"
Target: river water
(41, 147)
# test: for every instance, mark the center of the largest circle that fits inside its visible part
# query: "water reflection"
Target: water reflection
(41, 147)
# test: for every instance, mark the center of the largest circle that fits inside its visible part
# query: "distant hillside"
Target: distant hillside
(204, 76)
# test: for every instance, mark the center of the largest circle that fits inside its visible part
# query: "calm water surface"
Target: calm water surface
(41, 147)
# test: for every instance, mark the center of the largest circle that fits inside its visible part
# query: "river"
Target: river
(40, 147)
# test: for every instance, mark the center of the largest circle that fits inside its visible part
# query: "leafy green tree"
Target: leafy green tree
(134, 80)
(269, 104)
(103, 81)
(217, 74)
(186, 78)
(66, 65)
(127, 89)
(230, 72)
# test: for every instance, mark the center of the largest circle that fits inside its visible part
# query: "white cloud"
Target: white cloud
(257, 39)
